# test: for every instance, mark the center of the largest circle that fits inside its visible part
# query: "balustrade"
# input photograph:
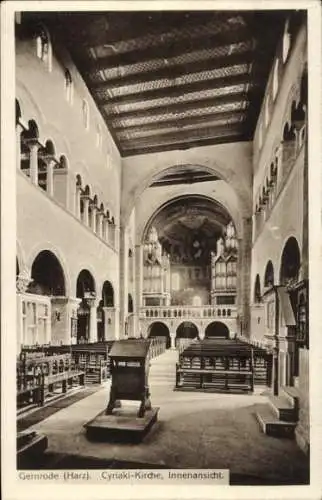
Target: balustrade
(188, 312)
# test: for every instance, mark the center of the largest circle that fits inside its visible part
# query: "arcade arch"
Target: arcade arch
(187, 329)
(217, 329)
(85, 289)
(159, 329)
(290, 262)
(47, 275)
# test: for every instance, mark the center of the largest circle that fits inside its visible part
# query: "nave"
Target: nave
(193, 429)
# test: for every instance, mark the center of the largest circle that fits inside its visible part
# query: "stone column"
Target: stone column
(94, 211)
(246, 256)
(19, 129)
(86, 209)
(92, 303)
(100, 224)
(123, 279)
(50, 163)
(105, 229)
(78, 202)
(34, 146)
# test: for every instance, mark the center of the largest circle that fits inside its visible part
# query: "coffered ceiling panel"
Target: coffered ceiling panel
(167, 80)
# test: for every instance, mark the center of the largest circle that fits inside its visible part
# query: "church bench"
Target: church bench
(207, 378)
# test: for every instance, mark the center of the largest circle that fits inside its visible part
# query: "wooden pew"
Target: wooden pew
(216, 364)
(38, 375)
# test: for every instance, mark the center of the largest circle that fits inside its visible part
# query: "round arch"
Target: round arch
(47, 245)
(290, 262)
(219, 168)
(269, 274)
(47, 275)
(179, 198)
(187, 329)
(159, 329)
(108, 294)
(217, 329)
(85, 283)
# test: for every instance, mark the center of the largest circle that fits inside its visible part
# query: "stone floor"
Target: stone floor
(194, 430)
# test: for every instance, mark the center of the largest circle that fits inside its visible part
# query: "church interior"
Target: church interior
(162, 225)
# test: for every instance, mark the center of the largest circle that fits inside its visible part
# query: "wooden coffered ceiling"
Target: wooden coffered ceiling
(168, 80)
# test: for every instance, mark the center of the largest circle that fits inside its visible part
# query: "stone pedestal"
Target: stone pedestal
(122, 426)
(64, 316)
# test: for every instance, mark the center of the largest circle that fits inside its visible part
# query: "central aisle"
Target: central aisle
(194, 430)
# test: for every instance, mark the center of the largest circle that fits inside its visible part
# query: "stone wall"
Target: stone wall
(302, 431)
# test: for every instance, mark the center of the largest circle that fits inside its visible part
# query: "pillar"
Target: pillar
(93, 224)
(92, 303)
(50, 177)
(244, 259)
(123, 278)
(34, 146)
(78, 202)
(100, 224)
(86, 207)
(105, 230)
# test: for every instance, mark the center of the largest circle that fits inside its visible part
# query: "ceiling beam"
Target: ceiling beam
(177, 90)
(175, 71)
(184, 136)
(180, 122)
(183, 106)
(91, 29)
(172, 48)
(134, 151)
(184, 180)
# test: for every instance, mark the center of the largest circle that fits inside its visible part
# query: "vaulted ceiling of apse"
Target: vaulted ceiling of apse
(189, 226)
(168, 80)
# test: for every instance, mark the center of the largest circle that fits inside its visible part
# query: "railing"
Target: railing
(188, 312)
(182, 343)
(157, 346)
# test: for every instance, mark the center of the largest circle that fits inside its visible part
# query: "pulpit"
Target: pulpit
(129, 368)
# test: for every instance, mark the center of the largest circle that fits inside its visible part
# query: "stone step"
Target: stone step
(272, 426)
(292, 394)
(283, 408)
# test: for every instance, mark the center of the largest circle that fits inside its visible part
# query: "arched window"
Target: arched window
(269, 275)
(275, 79)
(44, 50)
(85, 113)
(69, 88)
(257, 290)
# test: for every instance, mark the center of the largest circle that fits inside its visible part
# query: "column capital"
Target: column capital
(32, 143)
(22, 282)
(92, 301)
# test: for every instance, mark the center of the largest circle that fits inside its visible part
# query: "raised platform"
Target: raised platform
(122, 426)
(30, 448)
